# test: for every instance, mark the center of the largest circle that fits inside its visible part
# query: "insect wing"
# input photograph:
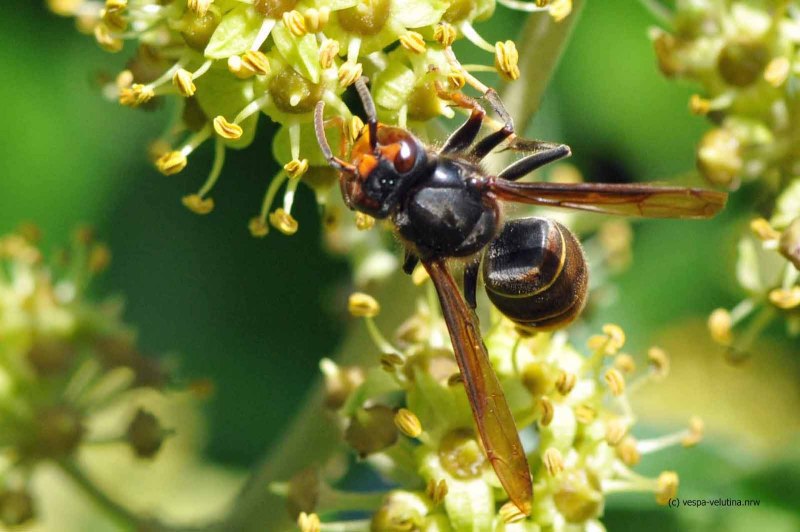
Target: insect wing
(647, 201)
(494, 420)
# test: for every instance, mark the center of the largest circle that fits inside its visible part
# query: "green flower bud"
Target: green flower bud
(371, 429)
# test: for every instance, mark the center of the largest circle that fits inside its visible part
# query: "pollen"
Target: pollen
(566, 382)
(785, 298)
(364, 222)
(509, 513)
(777, 71)
(659, 361)
(553, 461)
(296, 168)
(763, 230)
(436, 491)
(363, 305)
(328, 52)
(198, 204)
(625, 363)
(616, 429)
(316, 19)
(258, 227)
(408, 423)
(295, 22)
(182, 80)
(667, 487)
(309, 522)
(720, 324)
(456, 79)
(445, 34)
(171, 162)
(627, 451)
(505, 60)
(256, 62)
(227, 130)
(199, 6)
(695, 433)
(136, 95)
(349, 72)
(106, 39)
(546, 406)
(615, 382)
(283, 222)
(413, 42)
(698, 105)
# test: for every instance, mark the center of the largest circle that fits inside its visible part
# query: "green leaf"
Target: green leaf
(302, 54)
(393, 86)
(235, 34)
(419, 13)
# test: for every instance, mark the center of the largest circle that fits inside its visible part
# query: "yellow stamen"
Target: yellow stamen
(349, 72)
(328, 52)
(199, 6)
(106, 39)
(509, 513)
(413, 42)
(197, 204)
(553, 461)
(667, 487)
(227, 130)
(171, 162)
(763, 230)
(296, 167)
(627, 451)
(316, 19)
(777, 71)
(445, 34)
(295, 22)
(548, 411)
(615, 382)
(309, 522)
(256, 62)
(566, 382)
(506, 59)
(408, 423)
(182, 80)
(785, 298)
(436, 491)
(659, 362)
(720, 324)
(362, 305)
(625, 363)
(283, 222)
(258, 227)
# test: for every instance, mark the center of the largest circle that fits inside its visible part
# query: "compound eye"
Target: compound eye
(406, 157)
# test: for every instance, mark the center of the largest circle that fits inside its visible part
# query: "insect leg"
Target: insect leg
(471, 283)
(542, 153)
(465, 135)
(410, 262)
(491, 141)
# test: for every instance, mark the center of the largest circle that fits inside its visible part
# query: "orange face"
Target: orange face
(380, 169)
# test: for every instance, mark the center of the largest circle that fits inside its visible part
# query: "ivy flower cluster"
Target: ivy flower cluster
(227, 61)
(410, 420)
(63, 362)
(744, 55)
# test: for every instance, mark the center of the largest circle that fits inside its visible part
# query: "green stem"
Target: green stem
(543, 41)
(121, 515)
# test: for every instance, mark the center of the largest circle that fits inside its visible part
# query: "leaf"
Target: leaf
(235, 34)
(302, 53)
(419, 13)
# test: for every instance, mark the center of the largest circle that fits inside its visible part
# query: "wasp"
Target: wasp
(444, 206)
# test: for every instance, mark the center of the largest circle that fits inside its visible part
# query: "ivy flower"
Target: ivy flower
(410, 420)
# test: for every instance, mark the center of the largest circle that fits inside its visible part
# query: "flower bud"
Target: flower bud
(371, 430)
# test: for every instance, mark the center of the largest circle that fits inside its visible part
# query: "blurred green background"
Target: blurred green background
(257, 315)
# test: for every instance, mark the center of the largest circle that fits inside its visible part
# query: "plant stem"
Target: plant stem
(542, 43)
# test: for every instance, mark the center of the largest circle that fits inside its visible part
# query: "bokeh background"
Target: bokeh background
(255, 316)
